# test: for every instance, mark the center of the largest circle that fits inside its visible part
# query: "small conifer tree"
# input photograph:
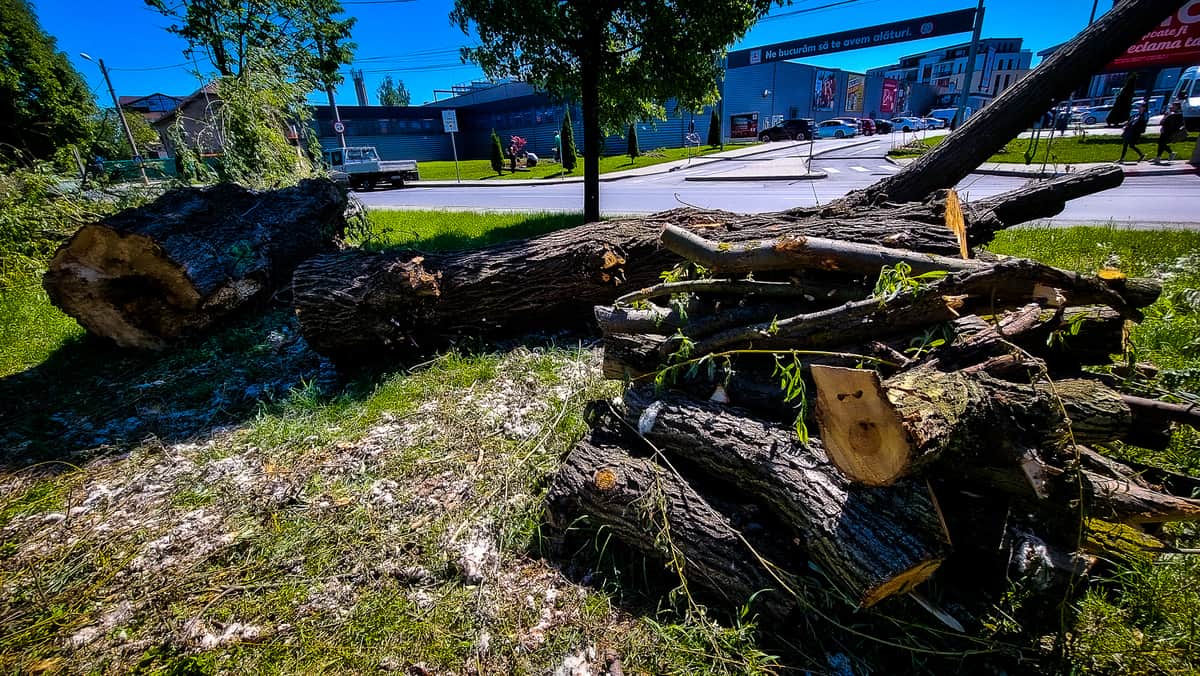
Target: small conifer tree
(569, 155)
(632, 150)
(497, 154)
(714, 129)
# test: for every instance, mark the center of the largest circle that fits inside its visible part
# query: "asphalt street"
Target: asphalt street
(846, 164)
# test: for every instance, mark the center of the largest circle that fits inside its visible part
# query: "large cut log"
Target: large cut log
(657, 512)
(877, 432)
(174, 267)
(986, 132)
(872, 542)
(358, 306)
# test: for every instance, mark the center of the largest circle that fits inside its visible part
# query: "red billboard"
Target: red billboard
(887, 102)
(1175, 42)
(743, 125)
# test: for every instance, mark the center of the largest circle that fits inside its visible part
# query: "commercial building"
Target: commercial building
(999, 63)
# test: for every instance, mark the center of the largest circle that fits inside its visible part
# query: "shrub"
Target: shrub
(497, 154)
(633, 150)
(567, 134)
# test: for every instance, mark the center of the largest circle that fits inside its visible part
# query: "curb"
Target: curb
(992, 169)
(811, 176)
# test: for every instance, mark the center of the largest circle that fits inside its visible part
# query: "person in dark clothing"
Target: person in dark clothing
(1171, 124)
(1132, 134)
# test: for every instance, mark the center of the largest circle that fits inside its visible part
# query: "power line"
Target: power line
(130, 70)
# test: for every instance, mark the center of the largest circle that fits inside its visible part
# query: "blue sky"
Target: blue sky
(414, 40)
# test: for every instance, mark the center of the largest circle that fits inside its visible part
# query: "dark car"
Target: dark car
(866, 126)
(883, 126)
(789, 130)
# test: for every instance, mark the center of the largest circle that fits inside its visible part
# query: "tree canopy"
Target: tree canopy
(44, 102)
(304, 37)
(393, 93)
(108, 138)
(622, 59)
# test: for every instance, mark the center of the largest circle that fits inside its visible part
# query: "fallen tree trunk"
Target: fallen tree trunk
(358, 306)
(873, 542)
(174, 267)
(877, 432)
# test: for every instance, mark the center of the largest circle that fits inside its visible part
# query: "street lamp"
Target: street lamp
(121, 114)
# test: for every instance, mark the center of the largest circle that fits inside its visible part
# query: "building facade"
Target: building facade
(999, 63)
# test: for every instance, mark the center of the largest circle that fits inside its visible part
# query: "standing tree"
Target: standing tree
(714, 129)
(1123, 105)
(393, 93)
(632, 147)
(44, 103)
(497, 154)
(622, 59)
(567, 136)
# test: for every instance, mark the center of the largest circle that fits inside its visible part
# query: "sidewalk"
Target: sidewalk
(663, 168)
(1177, 167)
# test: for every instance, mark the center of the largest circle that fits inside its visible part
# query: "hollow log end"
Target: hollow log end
(124, 287)
(860, 428)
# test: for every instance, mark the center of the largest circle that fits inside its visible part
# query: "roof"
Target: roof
(208, 90)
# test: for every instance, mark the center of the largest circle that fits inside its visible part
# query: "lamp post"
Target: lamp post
(120, 114)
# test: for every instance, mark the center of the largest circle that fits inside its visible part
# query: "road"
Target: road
(1146, 201)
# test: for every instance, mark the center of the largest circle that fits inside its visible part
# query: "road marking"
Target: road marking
(889, 167)
(831, 170)
(862, 169)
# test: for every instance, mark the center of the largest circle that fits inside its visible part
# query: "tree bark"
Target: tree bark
(589, 65)
(177, 266)
(877, 432)
(1017, 107)
(872, 542)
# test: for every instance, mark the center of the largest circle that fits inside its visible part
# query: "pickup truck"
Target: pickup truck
(363, 170)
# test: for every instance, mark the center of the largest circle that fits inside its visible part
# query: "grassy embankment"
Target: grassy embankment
(1069, 150)
(480, 170)
(233, 505)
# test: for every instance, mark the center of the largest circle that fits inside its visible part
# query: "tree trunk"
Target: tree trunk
(1017, 107)
(873, 542)
(658, 513)
(590, 64)
(877, 432)
(174, 267)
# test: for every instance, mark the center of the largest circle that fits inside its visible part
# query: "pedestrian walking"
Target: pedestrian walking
(1131, 135)
(1171, 124)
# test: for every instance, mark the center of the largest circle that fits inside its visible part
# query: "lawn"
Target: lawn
(1070, 150)
(481, 170)
(234, 505)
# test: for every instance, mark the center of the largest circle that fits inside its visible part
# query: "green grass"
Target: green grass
(31, 328)
(481, 170)
(451, 230)
(1070, 150)
(327, 512)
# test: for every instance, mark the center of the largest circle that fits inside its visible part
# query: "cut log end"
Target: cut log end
(902, 583)
(121, 286)
(862, 434)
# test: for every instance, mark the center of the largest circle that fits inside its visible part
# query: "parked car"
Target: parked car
(836, 129)
(934, 123)
(866, 126)
(1095, 115)
(883, 126)
(908, 123)
(789, 130)
(1187, 93)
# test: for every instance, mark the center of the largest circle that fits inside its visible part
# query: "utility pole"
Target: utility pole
(969, 75)
(137, 157)
(338, 127)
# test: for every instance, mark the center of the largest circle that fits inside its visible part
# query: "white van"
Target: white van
(1187, 92)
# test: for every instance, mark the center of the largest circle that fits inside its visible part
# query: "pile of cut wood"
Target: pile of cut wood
(879, 413)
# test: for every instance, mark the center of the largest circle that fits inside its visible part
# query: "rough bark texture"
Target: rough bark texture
(970, 417)
(640, 502)
(873, 542)
(178, 265)
(1018, 106)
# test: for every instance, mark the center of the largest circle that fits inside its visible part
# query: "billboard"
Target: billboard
(824, 90)
(887, 101)
(855, 85)
(932, 26)
(1176, 42)
(743, 125)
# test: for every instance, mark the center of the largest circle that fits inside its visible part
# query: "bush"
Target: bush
(567, 134)
(497, 154)
(714, 129)
(633, 150)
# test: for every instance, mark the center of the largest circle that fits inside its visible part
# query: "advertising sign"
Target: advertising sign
(1176, 42)
(743, 125)
(450, 120)
(824, 90)
(854, 93)
(887, 102)
(932, 26)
